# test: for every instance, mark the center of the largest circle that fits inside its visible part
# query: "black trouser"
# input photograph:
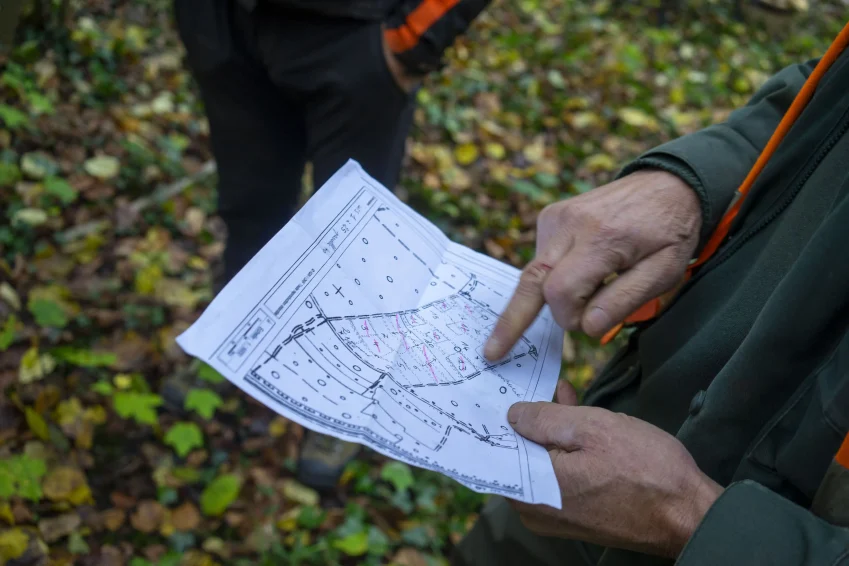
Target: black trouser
(282, 88)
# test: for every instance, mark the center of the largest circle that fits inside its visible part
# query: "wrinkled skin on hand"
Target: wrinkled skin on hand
(644, 228)
(623, 482)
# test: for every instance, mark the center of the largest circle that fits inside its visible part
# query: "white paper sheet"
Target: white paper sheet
(361, 320)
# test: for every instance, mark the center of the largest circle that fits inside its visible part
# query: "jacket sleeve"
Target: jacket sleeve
(419, 31)
(715, 161)
(750, 524)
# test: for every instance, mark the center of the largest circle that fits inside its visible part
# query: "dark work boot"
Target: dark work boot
(323, 459)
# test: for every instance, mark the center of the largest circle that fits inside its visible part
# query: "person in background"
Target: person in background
(286, 82)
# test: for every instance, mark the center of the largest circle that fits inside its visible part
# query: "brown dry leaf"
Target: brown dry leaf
(186, 517)
(67, 484)
(148, 516)
(54, 528)
(408, 557)
(113, 519)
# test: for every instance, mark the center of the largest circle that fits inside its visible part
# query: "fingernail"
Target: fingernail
(515, 411)
(597, 321)
(492, 348)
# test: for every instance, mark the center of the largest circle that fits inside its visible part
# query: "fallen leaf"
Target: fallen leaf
(466, 153)
(355, 544)
(30, 217)
(408, 557)
(103, 167)
(67, 484)
(35, 366)
(8, 294)
(54, 528)
(148, 516)
(37, 165)
(113, 519)
(13, 544)
(37, 424)
(398, 474)
(184, 437)
(219, 494)
(294, 491)
(203, 401)
(186, 517)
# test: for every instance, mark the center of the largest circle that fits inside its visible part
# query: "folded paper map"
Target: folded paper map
(361, 320)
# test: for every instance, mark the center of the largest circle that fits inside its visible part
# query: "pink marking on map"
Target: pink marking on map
(463, 362)
(469, 310)
(365, 327)
(404, 338)
(376, 345)
(463, 326)
(427, 361)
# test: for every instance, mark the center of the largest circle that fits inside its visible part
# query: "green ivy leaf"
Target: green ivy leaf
(207, 373)
(21, 476)
(61, 189)
(184, 437)
(9, 332)
(355, 544)
(398, 474)
(84, 358)
(12, 117)
(48, 313)
(203, 402)
(9, 174)
(219, 494)
(140, 407)
(103, 387)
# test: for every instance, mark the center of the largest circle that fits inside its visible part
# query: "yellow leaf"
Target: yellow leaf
(600, 162)
(34, 366)
(535, 151)
(37, 424)
(637, 118)
(278, 427)
(13, 543)
(67, 484)
(302, 494)
(67, 412)
(147, 278)
(582, 120)
(289, 520)
(466, 153)
(6, 513)
(122, 381)
(495, 150)
(677, 95)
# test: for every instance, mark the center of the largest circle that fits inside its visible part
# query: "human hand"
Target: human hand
(405, 81)
(644, 227)
(623, 482)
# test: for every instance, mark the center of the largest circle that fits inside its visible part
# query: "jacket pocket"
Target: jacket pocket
(793, 451)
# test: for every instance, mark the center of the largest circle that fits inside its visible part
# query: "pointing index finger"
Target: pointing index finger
(523, 308)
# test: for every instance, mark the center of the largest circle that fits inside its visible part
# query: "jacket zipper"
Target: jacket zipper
(735, 243)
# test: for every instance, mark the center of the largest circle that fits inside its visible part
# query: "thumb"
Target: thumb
(547, 424)
(566, 394)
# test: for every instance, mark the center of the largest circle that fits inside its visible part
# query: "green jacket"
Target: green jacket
(749, 367)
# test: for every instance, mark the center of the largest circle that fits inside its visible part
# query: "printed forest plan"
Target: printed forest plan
(361, 320)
